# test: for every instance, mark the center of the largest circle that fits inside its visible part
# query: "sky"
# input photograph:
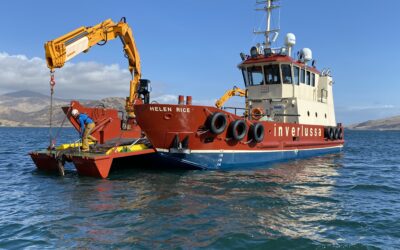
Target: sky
(192, 48)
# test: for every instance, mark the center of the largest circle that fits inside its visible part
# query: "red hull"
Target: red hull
(108, 123)
(110, 128)
(162, 123)
(85, 163)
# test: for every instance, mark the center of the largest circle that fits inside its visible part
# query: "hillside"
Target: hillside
(31, 109)
(391, 123)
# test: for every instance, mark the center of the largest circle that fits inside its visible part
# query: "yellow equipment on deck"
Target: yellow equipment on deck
(64, 48)
(116, 149)
(235, 91)
(130, 148)
(71, 145)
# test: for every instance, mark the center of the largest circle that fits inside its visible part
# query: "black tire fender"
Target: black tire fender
(217, 123)
(336, 133)
(326, 132)
(331, 133)
(257, 132)
(238, 129)
(340, 133)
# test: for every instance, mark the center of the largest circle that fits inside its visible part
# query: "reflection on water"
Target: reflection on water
(284, 200)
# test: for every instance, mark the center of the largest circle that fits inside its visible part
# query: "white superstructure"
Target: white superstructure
(283, 88)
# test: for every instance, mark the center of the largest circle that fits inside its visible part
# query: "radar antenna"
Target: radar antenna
(270, 34)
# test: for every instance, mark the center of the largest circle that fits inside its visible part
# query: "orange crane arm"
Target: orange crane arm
(235, 91)
(66, 47)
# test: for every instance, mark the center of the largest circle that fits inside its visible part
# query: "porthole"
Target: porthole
(316, 114)
(308, 113)
(325, 116)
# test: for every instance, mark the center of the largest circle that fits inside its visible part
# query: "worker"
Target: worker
(266, 118)
(87, 125)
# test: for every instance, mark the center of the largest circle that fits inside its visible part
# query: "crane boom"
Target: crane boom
(235, 91)
(66, 47)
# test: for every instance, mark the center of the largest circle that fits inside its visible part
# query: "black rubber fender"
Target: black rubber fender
(217, 123)
(257, 132)
(326, 132)
(336, 136)
(331, 133)
(340, 133)
(238, 129)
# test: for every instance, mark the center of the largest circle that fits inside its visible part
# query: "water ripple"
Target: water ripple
(342, 201)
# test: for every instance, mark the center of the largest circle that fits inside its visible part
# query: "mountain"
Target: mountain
(26, 101)
(24, 93)
(391, 123)
(31, 109)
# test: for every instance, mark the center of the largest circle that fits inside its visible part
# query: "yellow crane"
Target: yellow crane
(235, 91)
(64, 48)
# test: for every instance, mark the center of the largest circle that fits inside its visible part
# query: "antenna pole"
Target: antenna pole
(268, 7)
(267, 39)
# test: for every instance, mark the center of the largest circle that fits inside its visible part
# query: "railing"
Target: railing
(234, 108)
(297, 115)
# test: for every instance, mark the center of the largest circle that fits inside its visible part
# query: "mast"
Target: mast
(269, 6)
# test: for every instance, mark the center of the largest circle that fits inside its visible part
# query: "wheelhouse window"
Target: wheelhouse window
(296, 72)
(272, 74)
(286, 73)
(255, 76)
(245, 76)
(313, 79)
(308, 78)
(303, 76)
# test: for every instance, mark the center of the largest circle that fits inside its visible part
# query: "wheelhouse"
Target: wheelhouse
(278, 73)
(287, 90)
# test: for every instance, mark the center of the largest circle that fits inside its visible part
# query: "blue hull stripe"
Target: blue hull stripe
(242, 159)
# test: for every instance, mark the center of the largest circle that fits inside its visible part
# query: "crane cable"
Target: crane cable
(52, 84)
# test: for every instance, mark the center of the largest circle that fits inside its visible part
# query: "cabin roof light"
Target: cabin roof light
(253, 52)
(268, 52)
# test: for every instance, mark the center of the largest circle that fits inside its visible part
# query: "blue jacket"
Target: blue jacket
(83, 120)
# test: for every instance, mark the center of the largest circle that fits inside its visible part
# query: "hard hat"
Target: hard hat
(74, 112)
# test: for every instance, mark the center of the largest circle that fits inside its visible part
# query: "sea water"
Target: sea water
(349, 200)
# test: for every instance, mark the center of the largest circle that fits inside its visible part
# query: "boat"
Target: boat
(116, 145)
(288, 113)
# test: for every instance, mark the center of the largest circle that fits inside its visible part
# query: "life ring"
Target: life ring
(257, 132)
(217, 122)
(238, 129)
(256, 113)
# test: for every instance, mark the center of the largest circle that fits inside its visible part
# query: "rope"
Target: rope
(52, 84)
(54, 138)
(62, 124)
(134, 142)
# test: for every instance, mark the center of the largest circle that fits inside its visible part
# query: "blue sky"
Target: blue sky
(192, 47)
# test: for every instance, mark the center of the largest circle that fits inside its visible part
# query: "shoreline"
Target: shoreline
(70, 126)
